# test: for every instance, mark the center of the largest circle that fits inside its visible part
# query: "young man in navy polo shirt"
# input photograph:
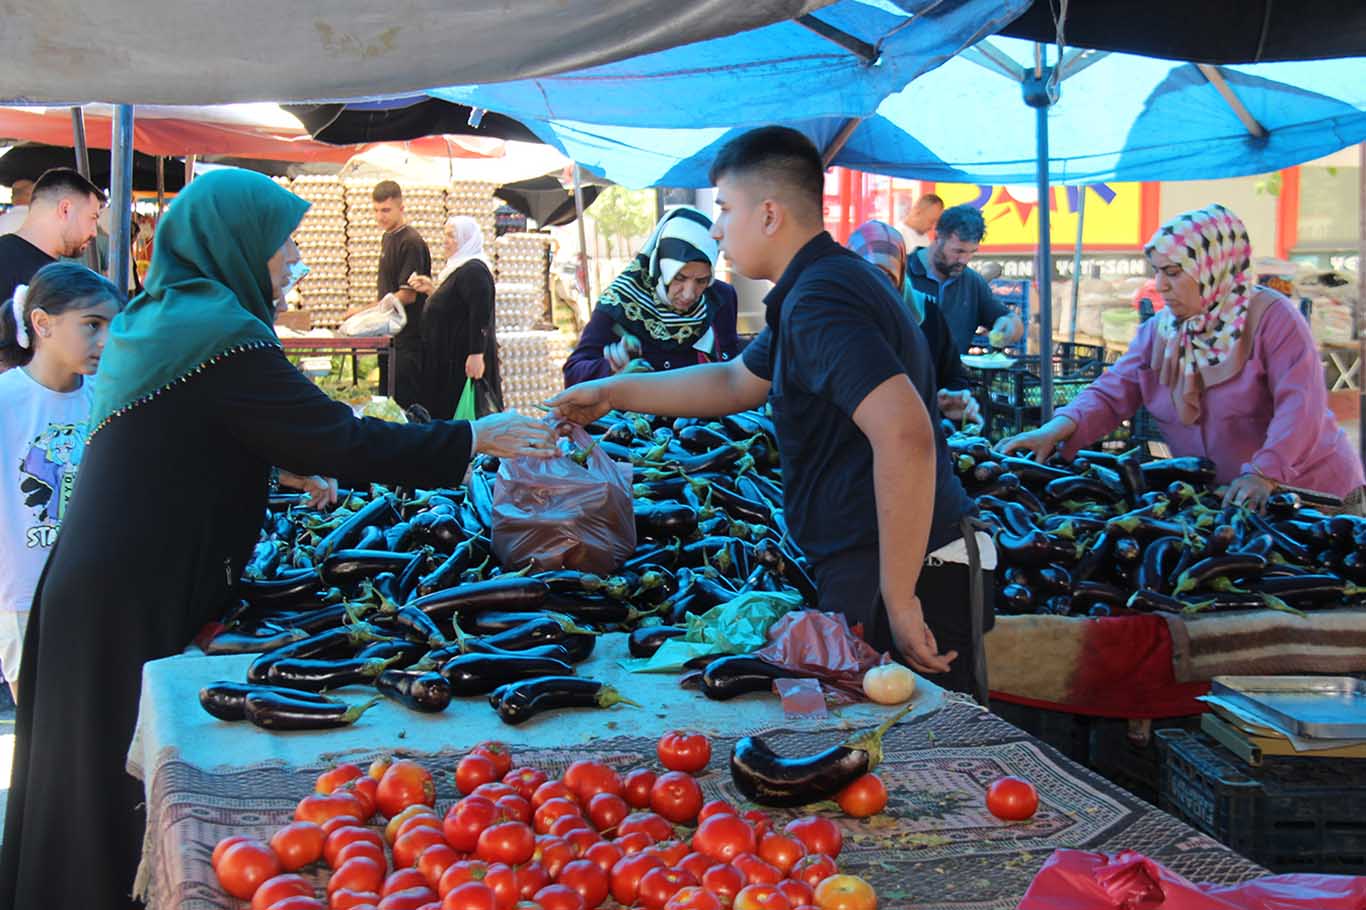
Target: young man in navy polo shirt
(869, 489)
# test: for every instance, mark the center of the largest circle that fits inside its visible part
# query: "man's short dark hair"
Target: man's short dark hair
(386, 190)
(964, 222)
(930, 199)
(777, 154)
(64, 181)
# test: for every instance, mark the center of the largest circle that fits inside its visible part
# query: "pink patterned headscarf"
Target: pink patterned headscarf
(1190, 355)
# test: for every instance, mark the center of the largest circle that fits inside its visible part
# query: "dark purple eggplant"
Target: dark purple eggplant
(1150, 601)
(447, 574)
(338, 641)
(1300, 589)
(1220, 540)
(546, 630)
(1155, 573)
(592, 609)
(1070, 488)
(1127, 550)
(771, 779)
(737, 506)
(521, 701)
(1086, 594)
(664, 520)
(227, 700)
(1031, 472)
(1036, 548)
(323, 675)
(234, 642)
(496, 621)
(380, 511)
(1053, 579)
(1131, 477)
(1057, 605)
(428, 692)
(288, 589)
(1096, 555)
(481, 646)
(645, 641)
(1283, 505)
(405, 653)
(281, 712)
(507, 592)
(417, 626)
(1198, 472)
(1228, 565)
(348, 567)
(737, 674)
(1016, 599)
(480, 674)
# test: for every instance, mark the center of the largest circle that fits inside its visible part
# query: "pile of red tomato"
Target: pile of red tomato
(520, 840)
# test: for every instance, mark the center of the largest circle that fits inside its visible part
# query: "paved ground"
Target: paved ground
(6, 745)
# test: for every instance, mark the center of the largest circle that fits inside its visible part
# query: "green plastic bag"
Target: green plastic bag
(465, 409)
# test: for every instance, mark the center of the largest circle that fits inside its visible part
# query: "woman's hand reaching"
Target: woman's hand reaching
(510, 435)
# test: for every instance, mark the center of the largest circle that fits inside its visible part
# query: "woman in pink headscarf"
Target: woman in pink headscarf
(1228, 370)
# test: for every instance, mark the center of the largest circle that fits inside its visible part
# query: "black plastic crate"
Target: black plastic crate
(1121, 755)
(1070, 734)
(1290, 815)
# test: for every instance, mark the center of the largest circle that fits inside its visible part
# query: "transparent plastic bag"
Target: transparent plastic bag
(386, 317)
(559, 514)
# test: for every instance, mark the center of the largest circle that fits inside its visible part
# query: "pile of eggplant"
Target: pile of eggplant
(1110, 533)
(398, 589)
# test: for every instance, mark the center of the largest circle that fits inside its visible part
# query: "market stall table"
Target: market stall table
(936, 846)
(381, 346)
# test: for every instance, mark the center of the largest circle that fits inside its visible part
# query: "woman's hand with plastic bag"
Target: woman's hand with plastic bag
(510, 435)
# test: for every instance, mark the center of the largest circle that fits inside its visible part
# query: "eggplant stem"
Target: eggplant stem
(609, 696)
(354, 712)
(872, 742)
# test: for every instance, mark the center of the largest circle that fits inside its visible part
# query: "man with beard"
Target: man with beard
(62, 219)
(940, 273)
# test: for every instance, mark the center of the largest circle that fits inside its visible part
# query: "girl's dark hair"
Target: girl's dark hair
(55, 289)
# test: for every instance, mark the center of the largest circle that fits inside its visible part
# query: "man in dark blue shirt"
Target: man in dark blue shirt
(869, 488)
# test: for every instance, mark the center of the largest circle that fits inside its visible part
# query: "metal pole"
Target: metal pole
(1076, 262)
(1037, 95)
(189, 168)
(161, 185)
(121, 196)
(583, 235)
(1361, 307)
(92, 252)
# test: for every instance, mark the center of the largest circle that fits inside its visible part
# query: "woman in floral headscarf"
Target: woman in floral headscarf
(1228, 370)
(666, 308)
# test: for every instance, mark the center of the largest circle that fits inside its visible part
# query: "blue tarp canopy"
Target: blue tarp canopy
(1119, 117)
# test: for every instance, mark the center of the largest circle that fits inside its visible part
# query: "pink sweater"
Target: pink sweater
(1271, 418)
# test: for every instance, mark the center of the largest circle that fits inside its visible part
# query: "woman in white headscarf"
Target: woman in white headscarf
(459, 337)
(666, 308)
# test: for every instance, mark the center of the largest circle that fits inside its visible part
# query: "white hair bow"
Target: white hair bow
(20, 327)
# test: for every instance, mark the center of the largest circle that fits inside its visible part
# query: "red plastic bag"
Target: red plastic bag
(558, 514)
(810, 641)
(1076, 880)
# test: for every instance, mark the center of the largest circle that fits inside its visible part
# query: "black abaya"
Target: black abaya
(164, 516)
(459, 321)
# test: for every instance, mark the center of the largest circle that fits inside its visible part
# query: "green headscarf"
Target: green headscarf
(207, 292)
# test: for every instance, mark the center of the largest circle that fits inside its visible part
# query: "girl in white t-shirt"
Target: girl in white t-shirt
(51, 335)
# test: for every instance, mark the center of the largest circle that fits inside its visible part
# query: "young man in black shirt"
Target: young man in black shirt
(62, 219)
(869, 488)
(403, 253)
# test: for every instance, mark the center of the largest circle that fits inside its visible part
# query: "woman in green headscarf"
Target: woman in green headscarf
(194, 403)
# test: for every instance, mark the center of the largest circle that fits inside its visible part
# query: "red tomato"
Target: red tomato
(360, 873)
(404, 784)
(367, 848)
(551, 789)
(408, 899)
(626, 874)
(1012, 799)
(587, 779)
(655, 826)
(813, 869)
(298, 845)
(475, 769)
(725, 881)
(495, 791)
(299, 902)
(402, 880)
(606, 810)
(470, 896)
(845, 892)
(498, 752)
(797, 892)
(506, 842)
(581, 839)
(585, 877)
(715, 807)
(759, 821)
(467, 819)
(781, 850)
(434, 862)
(333, 778)
(364, 789)
(404, 822)
(694, 897)
(514, 808)
(671, 851)
(551, 811)
(343, 836)
(636, 788)
(634, 842)
(224, 846)
(561, 826)
(340, 821)
(412, 843)
(723, 837)
(274, 890)
(346, 899)
(677, 797)
(658, 885)
(864, 797)
(466, 870)
(244, 866)
(525, 781)
(761, 897)
(559, 897)
(531, 878)
(502, 878)
(318, 809)
(755, 870)
(697, 864)
(605, 854)
(817, 834)
(553, 853)
(682, 750)
(379, 766)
